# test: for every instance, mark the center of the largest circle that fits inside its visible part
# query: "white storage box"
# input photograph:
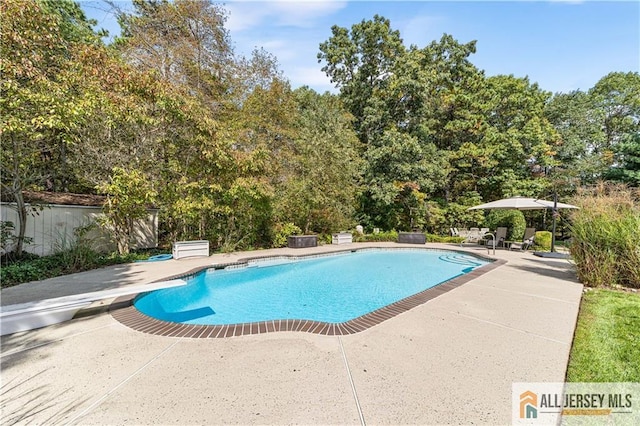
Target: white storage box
(182, 249)
(342, 238)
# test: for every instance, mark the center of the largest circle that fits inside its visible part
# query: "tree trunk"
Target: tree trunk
(22, 220)
(17, 195)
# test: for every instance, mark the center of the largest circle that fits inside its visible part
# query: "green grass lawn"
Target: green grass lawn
(606, 346)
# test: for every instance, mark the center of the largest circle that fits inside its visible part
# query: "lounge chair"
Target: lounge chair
(527, 241)
(500, 236)
(473, 236)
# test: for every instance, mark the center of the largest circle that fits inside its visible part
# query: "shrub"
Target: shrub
(605, 236)
(282, 232)
(325, 239)
(433, 238)
(380, 236)
(128, 194)
(7, 238)
(513, 220)
(76, 258)
(542, 241)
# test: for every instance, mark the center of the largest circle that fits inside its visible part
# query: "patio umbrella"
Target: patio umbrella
(523, 203)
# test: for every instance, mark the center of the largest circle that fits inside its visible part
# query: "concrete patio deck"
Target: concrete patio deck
(451, 360)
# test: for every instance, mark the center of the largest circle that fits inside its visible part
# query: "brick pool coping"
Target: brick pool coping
(122, 308)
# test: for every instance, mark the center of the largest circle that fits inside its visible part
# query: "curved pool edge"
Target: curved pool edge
(123, 310)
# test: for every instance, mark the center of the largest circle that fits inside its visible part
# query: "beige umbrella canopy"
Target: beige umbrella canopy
(522, 203)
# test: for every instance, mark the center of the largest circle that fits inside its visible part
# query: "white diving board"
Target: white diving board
(41, 313)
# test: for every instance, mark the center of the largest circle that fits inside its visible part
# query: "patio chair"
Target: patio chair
(483, 233)
(473, 236)
(501, 235)
(527, 240)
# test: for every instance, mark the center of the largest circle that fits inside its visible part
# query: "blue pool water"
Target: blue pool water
(331, 289)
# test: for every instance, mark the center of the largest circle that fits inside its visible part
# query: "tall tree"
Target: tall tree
(617, 97)
(184, 42)
(597, 127)
(516, 135)
(360, 61)
(73, 22)
(579, 125)
(433, 126)
(319, 189)
(628, 168)
(34, 103)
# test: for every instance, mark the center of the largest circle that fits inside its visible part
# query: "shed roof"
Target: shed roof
(62, 198)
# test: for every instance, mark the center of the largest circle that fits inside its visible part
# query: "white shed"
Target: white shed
(53, 227)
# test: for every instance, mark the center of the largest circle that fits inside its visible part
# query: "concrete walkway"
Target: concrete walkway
(449, 361)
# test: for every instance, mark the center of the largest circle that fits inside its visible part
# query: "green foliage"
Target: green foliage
(433, 238)
(226, 150)
(282, 232)
(616, 97)
(596, 125)
(129, 194)
(360, 62)
(191, 47)
(320, 180)
(379, 237)
(7, 237)
(73, 22)
(434, 127)
(628, 171)
(581, 130)
(605, 346)
(400, 171)
(513, 220)
(442, 216)
(72, 260)
(542, 241)
(605, 237)
(70, 256)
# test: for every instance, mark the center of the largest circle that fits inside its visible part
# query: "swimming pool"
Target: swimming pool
(334, 288)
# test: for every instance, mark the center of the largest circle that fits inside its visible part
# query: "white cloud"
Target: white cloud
(244, 15)
(309, 76)
(421, 30)
(282, 49)
(303, 13)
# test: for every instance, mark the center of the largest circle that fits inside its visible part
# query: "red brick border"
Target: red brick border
(122, 310)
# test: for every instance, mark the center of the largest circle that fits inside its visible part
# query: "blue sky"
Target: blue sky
(561, 45)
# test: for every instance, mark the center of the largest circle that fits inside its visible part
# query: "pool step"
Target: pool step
(459, 259)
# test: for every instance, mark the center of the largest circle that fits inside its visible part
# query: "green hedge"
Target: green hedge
(433, 238)
(380, 236)
(543, 241)
(513, 220)
(392, 236)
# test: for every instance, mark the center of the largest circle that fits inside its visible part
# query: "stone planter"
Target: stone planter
(302, 241)
(412, 238)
